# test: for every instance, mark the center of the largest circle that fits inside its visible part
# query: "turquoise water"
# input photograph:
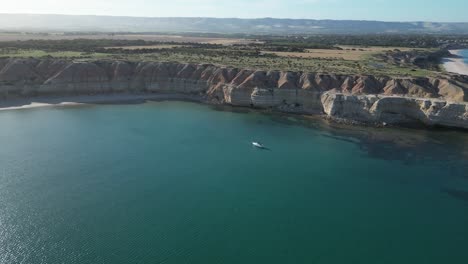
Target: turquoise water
(464, 53)
(174, 182)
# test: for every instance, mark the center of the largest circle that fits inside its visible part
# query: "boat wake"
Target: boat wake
(259, 146)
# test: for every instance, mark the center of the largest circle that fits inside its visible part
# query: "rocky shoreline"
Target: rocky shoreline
(441, 101)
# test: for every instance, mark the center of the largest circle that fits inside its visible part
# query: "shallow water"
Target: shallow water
(464, 54)
(174, 182)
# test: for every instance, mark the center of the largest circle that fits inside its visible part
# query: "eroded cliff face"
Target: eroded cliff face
(396, 110)
(432, 101)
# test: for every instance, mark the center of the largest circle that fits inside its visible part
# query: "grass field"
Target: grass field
(350, 60)
(146, 37)
(351, 53)
(162, 46)
(338, 66)
(57, 54)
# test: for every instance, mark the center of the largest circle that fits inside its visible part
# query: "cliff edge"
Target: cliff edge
(431, 101)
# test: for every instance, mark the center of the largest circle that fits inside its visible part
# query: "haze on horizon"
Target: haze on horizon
(380, 10)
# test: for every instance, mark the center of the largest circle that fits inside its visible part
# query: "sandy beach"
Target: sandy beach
(54, 101)
(456, 65)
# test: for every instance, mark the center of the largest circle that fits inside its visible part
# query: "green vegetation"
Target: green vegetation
(327, 53)
(84, 45)
(25, 53)
(381, 40)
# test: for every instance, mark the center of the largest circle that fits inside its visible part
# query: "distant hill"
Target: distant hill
(32, 22)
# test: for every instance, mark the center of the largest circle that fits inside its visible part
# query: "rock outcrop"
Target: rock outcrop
(431, 101)
(396, 110)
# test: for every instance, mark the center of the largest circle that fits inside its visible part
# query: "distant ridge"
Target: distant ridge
(38, 22)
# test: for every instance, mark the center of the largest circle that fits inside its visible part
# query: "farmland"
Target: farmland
(312, 54)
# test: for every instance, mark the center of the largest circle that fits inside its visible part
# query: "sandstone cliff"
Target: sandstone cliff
(431, 101)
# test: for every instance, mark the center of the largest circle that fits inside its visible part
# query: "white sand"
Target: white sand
(456, 65)
(27, 105)
(48, 101)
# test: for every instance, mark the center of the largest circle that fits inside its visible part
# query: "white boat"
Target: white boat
(257, 145)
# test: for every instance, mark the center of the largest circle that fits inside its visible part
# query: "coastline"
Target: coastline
(330, 112)
(455, 65)
(76, 100)
(357, 99)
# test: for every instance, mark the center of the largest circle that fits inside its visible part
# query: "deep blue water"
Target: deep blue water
(173, 182)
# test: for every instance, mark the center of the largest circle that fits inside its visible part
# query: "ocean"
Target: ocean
(464, 54)
(178, 182)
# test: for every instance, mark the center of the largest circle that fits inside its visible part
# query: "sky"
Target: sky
(382, 10)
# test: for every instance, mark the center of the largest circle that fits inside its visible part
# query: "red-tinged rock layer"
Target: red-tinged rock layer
(364, 98)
